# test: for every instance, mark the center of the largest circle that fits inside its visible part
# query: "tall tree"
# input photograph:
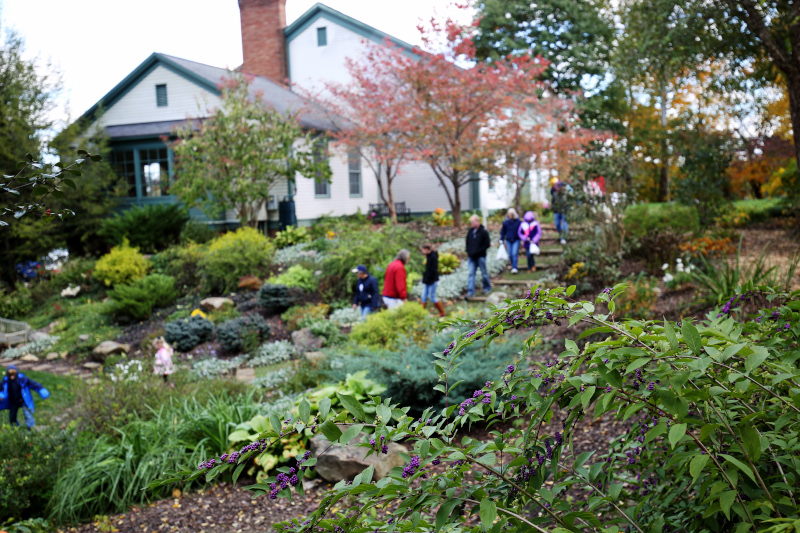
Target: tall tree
(656, 60)
(372, 115)
(752, 30)
(455, 107)
(235, 157)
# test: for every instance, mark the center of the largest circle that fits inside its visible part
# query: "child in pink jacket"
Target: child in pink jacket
(530, 231)
(163, 365)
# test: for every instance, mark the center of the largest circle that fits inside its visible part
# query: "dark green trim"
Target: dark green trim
(319, 10)
(146, 67)
(474, 193)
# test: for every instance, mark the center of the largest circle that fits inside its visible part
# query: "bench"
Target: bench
(382, 211)
(13, 332)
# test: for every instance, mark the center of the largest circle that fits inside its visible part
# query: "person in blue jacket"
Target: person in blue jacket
(509, 234)
(367, 294)
(16, 393)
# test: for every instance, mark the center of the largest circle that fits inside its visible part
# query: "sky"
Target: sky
(96, 43)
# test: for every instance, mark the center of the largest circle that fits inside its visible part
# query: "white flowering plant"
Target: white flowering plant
(681, 274)
(213, 368)
(71, 291)
(130, 370)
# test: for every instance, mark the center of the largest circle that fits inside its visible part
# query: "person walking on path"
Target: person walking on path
(395, 291)
(16, 394)
(509, 234)
(559, 194)
(163, 365)
(366, 293)
(530, 232)
(478, 242)
(431, 278)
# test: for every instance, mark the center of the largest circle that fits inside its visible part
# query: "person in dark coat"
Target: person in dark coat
(430, 279)
(478, 242)
(509, 235)
(366, 293)
(16, 394)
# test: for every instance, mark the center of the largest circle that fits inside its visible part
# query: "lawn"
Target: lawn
(62, 397)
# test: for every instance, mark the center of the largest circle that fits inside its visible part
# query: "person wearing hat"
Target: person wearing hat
(366, 291)
(16, 394)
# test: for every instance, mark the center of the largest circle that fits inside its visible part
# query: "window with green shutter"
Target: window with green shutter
(322, 36)
(161, 95)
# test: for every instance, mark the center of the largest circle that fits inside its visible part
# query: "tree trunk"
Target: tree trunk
(663, 184)
(390, 203)
(456, 208)
(793, 87)
(518, 198)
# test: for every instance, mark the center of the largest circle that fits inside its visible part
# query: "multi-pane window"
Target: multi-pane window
(322, 187)
(322, 36)
(154, 165)
(124, 165)
(161, 95)
(354, 172)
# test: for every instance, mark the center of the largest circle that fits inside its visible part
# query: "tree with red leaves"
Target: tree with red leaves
(372, 116)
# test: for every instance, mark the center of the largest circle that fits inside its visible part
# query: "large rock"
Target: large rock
(52, 356)
(315, 357)
(346, 462)
(29, 358)
(496, 297)
(216, 303)
(107, 348)
(83, 337)
(305, 341)
(245, 374)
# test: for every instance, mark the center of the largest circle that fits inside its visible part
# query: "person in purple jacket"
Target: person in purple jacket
(530, 231)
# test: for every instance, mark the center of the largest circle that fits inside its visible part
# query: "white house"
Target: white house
(162, 92)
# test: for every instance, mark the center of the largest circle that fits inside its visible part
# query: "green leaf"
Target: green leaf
(671, 337)
(586, 397)
(351, 433)
(305, 411)
(331, 431)
(353, 406)
(69, 183)
(692, 337)
(444, 513)
(614, 490)
(275, 422)
(238, 471)
(676, 433)
(751, 441)
(758, 356)
(726, 500)
(731, 350)
(740, 465)
(697, 465)
(637, 364)
(488, 512)
(39, 191)
(324, 407)
(571, 346)
(612, 377)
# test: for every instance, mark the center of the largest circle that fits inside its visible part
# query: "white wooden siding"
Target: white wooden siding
(184, 99)
(308, 206)
(310, 66)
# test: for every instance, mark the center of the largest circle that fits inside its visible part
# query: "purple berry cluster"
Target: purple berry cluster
(411, 468)
(383, 447)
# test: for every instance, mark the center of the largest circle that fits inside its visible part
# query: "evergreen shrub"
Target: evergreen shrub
(296, 276)
(243, 334)
(410, 375)
(183, 335)
(123, 264)
(138, 299)
(150, 228)
(231, 256)
(275, 297)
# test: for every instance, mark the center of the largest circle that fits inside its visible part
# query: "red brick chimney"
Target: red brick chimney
(263, 42)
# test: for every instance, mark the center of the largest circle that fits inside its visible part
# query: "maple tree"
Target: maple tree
(372, 117)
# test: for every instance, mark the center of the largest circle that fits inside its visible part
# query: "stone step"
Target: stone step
(44, 367)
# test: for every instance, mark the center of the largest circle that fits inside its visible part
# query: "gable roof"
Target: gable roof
(208, 77)
(322, 11)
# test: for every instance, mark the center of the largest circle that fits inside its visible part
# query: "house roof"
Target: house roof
(322, 11)
(144, 129)
(207, 77)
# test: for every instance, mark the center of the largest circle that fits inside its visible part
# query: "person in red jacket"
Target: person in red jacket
(394, 284)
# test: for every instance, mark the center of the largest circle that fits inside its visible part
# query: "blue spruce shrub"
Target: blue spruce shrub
(243, 333)
(185, 334)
